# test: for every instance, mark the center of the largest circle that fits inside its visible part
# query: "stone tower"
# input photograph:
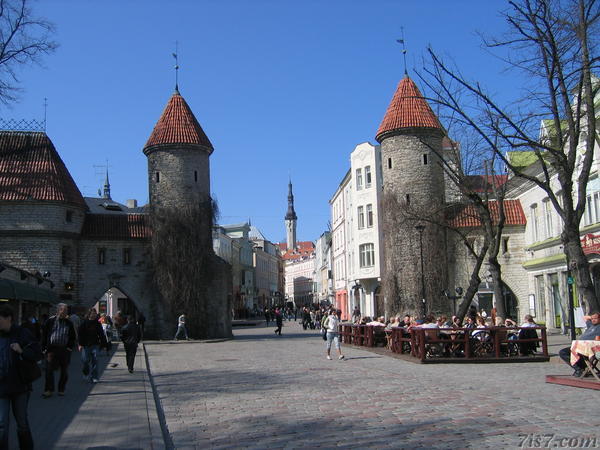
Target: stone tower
(413, 197)
(290, 220)
(178, 153)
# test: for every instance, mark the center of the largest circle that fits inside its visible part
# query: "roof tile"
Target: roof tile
(178, 125)
(31, 169)
(467, 217)
(116, 226)
(408, 109)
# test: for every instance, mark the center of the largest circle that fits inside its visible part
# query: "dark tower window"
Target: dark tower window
(158, 177)
(389, 163)
(126, 256)
(69, 216)
(101, 256)
(196, 176)
(407, 199)
(424, 159)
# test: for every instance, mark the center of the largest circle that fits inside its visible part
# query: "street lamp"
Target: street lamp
(459, 293)
(420, 229)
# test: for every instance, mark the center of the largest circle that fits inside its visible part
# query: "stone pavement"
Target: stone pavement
(117, 413)
(265, 391)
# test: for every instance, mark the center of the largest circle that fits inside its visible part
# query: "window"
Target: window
(407, 199)
(367, 255)
(389, 163)
(369, 215)
(69, 216)
(126, 256)
(361, 218)
(425, 159)
(196, 176)
(534, 222)
(367, 177)
(540, 288)
(548, 218)
(359, 183)
(592, 209)
(64, 255)
(158, 177)
(101, 256)
(504, 245)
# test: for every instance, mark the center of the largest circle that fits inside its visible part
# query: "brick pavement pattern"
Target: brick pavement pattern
(265, 391)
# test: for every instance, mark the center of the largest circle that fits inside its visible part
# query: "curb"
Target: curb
(157, 424)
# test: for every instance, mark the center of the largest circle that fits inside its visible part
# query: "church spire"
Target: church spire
(290, 220)
(106, 192)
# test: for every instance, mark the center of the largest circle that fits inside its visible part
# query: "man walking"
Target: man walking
(278, 321)
(58, 339)
(181, 328)
(91, 338)
(131, 335)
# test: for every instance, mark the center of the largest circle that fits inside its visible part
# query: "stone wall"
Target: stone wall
(183, 175)
(413, 193)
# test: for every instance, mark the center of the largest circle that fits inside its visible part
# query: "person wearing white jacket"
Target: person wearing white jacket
(332, 323)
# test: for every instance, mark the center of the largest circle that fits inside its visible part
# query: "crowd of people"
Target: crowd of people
(53, 340)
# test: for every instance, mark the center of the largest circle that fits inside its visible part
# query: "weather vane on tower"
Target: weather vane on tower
(401, 41)
(176, 68)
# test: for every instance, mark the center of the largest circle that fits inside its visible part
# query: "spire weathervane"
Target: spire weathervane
(401, 41)
(176, 68)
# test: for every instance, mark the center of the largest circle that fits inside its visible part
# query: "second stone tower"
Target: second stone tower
(413, 203)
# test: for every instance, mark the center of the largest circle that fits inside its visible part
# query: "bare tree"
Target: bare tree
(24, 39)
(555, 43)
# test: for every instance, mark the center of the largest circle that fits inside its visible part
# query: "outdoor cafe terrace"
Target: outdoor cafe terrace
(455, 345)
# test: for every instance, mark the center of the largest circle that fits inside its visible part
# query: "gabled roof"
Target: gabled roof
(481, 183)
(116, 226)
(303, 250)
(178, 125)
(408, 109)
(467, 217)
(31, 169)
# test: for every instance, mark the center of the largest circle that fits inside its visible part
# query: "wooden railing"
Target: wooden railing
(498, 343)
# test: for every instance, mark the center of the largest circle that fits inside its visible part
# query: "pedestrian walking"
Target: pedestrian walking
(131, 335)
(332, 324)
(181, 328)
(278, 321)
(58, 340)
(141, 321)
(15, 343)
(91, 339)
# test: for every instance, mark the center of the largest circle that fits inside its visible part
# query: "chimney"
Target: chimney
(132, 203)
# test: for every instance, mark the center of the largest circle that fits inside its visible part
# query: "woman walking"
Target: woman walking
(332, 325)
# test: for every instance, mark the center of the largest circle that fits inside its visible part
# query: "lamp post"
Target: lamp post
(420, 229)
(459, 293)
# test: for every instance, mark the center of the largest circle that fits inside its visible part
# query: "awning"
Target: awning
(13, 290)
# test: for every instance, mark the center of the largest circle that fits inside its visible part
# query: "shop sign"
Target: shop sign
(590, 243)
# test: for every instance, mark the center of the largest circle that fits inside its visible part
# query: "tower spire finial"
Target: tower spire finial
(106, 184)
(45, 111)
(401, 41)
(176, 67)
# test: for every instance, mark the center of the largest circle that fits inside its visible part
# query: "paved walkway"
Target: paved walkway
(117, 413)
(266, 391)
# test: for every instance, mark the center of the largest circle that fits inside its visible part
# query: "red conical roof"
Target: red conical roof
(408, 109)
(178, 125)
(31, 169)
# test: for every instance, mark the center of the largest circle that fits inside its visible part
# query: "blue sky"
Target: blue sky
(280, 87)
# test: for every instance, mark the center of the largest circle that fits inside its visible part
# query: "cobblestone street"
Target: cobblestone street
(266, 391)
